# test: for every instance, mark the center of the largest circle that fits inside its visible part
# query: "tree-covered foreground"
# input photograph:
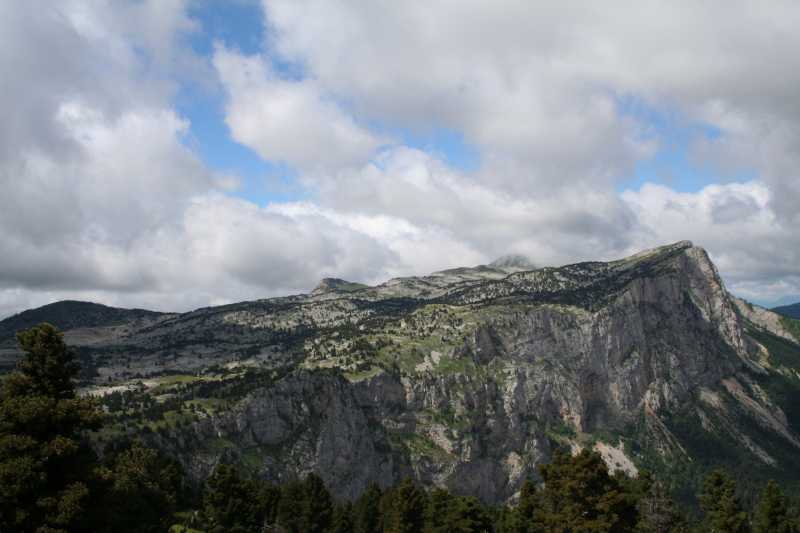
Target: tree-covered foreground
(51, 480)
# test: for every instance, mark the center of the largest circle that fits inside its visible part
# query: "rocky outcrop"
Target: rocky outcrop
(764, 319)
(469, 378)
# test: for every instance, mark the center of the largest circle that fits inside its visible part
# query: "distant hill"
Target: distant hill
(513, 263)
(792, 311)
(69, 314)
(329, 285)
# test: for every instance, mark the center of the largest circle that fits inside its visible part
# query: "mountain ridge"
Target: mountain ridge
(791, 311)
(501, 268)
(71, 314)
(468, 378)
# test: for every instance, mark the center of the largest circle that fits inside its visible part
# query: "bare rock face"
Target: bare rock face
(764, 319)
(469, 378)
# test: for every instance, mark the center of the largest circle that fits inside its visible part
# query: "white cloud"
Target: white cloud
(90, 155)
(103, 199)
(755, 252)
(72, 219)
(555, 226)
(535, 86)
(289, 121)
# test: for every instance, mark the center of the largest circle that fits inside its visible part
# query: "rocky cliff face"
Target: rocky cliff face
(468, 378)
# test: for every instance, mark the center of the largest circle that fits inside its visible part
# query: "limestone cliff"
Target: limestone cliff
(468, 378)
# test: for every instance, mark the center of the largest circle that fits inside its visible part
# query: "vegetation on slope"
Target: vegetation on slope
(51, 480)
(69, 314)
(792, 325)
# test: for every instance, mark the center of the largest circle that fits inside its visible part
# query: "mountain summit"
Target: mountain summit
(328, 285)
(513, 262)
(468, 378)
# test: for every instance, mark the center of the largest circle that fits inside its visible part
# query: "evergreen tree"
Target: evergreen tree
(580, 496)
(406, 508)
(231, 503)
(318, 507)
(269, 497)
(772, 512)
(794, 511)
(510, 521)
(723, 512)
(657, 511)
(342, 519)
(291, 508)
(46, 466)
(465, 515)
(142, 492)
(526, 507)
(305, 506)
(439, 503)
(367, 511)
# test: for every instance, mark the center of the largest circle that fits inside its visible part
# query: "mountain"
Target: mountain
(69, 314)
(513, 263)
(467, 378)
(84, 322)
(336, 285)
(792, 311)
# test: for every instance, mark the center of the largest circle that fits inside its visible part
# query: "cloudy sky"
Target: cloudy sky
(172, 154)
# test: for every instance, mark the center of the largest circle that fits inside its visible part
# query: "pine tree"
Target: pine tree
(528, 503)
(46, 466)
(772, 512)
(658, 512)
(406, 511)
(231, 503)
(269, 497)
(318, 508)
(466, 515)
(579, 495)
(724, 513)
(367, 511)
(141, 493)
(291, 508)
(439, 503)
(510, 521)
(342, 519)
